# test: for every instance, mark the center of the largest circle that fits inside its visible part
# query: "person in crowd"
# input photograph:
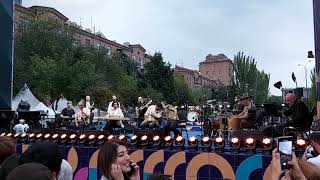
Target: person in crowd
(31, 171)
(152, 116)
(117, 113)
(48, 154)
(82, 117)
(301, 170)
(22, 127)
(315, 145)
(9, 159)
(114, 99)
(245, 118)
(171, 115)
(115, 163)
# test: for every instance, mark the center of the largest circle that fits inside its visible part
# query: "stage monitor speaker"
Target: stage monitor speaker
(298, 92)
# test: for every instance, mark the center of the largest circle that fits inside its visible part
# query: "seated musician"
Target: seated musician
(299, 116)
(67, 114)
(117, 113)
(246, 118)
(81, 117)
(141, 109)
(171, 115)
(152, 116)
(114, 99)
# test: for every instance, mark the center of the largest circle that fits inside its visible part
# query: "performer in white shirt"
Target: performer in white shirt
(152, 116)
(21, 128)
(82, 117)
(114, 99)
(114, 112)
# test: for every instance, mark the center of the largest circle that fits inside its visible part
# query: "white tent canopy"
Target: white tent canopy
(24, 95)
(47, 110)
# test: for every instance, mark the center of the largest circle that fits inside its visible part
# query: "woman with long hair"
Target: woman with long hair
(115, 163)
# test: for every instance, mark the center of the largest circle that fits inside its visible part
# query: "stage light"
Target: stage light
(16, 136)
(123, 138)
(31, 137)
(82, 138)
(23, 137)
(267, 146)
(300, 146)
(110, 137)
(54, 138)
(206, 143)
(235, 145)
(134, 140)
(156, 142)
(91, 139)
(301, 142)
(47, 137)
(168, 142)
(63, 138)
(9, 135)
(39, 137)
(193, 143)
(102, 139)
(73, 139)
(144, 140)
(250, 145)
(3, 134)
(219, 144)
(179, 142)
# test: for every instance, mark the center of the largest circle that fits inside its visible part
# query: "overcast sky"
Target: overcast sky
(278, 33)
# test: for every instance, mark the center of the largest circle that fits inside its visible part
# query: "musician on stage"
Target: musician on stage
(141, 108)
(171, 116)
(89, 104)
(114, 112)
(246, 118)
(114, 99)
(67, 114)
(152, 116)
(82, 117)
(298, 114)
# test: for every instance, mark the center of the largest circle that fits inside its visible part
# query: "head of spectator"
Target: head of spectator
(114, 158)
(31, 171)
(290, 99)
(315, 141)
(7, 148)
(46, 153)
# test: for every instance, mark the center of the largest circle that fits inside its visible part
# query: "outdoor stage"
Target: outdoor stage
(181, 164)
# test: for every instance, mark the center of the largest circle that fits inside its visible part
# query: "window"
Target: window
(98, 46)
(87, 43)
(138, 52)
(109, 51)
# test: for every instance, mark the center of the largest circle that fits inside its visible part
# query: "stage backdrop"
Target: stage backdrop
(6, 52)
(180, 164)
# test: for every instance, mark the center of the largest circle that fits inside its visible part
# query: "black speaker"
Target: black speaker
(5, 119)
(298, 92)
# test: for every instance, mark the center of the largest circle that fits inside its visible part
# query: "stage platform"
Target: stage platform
(179, 164)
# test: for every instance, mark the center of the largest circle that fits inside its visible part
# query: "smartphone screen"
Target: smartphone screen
(285, 150)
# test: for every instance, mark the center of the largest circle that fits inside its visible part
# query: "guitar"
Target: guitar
(145, 106)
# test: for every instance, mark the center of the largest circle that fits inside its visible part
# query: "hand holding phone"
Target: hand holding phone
(285, 151)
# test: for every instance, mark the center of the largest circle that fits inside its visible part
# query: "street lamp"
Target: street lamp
(310, 55)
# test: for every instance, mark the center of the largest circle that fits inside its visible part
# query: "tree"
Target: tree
(182, 91)
(201, 95)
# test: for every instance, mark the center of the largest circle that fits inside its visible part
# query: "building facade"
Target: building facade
(218, 68)
(85, 37)
(193, 77)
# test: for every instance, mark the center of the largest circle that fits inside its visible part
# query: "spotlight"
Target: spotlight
(3, 134)
(193, 143)
(123, 138)
(31, 137)
(82, 138)
(63, 138)
(300, 146)
(110, 137)
(179, 142)
(206, 143)
(16, 136)
(267, 145)
(219, 144)
(9, 135)
(72, 138)
(91, 139)
(235, 145)
(101, 139)
(54, 138)
(250, 145)
(156, 142)
(134, 140)
(23, 138)
(168, 142)
(144, 140)
(39, 137)
(47, 137)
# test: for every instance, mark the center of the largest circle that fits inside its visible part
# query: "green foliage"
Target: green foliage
(201, 95)
(249, 80)
(182, 92)
(275, 99)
